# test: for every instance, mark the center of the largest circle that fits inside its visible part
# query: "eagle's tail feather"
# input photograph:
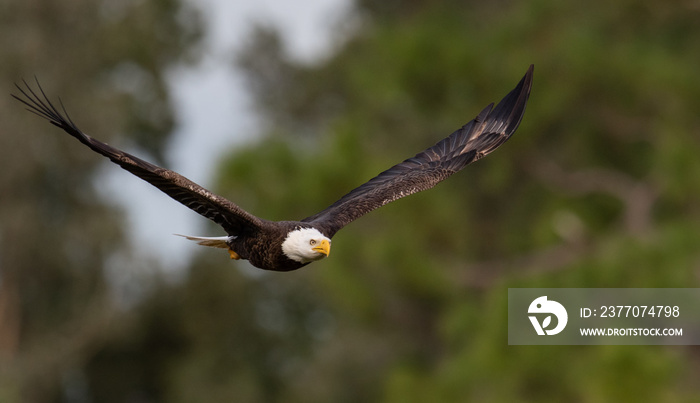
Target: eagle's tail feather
(213, 242)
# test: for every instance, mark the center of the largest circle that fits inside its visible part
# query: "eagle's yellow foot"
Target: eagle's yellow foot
(233, 254)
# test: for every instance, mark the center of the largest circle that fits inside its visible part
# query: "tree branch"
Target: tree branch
(637, 196)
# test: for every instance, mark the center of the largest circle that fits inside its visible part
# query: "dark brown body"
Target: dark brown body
(263, 248)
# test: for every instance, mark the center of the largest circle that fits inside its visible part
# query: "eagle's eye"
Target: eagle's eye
(312, 242)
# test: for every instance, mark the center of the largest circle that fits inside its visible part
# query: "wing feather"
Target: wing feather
(491, 128)
(232, 218)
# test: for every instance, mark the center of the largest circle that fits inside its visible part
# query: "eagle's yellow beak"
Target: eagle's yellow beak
(324, 247)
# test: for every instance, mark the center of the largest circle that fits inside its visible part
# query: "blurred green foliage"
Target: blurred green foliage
(598, 188)
(58, 237)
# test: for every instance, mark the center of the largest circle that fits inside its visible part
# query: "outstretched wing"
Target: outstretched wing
(490, 129)
(232, 218)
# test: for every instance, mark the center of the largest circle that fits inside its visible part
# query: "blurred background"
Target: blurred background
(283, 111)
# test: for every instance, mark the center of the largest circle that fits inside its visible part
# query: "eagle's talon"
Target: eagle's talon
(234, 255)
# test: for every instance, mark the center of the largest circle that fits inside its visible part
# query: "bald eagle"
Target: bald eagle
(290, 245)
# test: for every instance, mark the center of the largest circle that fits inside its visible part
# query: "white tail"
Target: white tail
(213, 242)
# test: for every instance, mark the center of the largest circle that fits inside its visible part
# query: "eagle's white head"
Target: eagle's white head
(306, 245)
